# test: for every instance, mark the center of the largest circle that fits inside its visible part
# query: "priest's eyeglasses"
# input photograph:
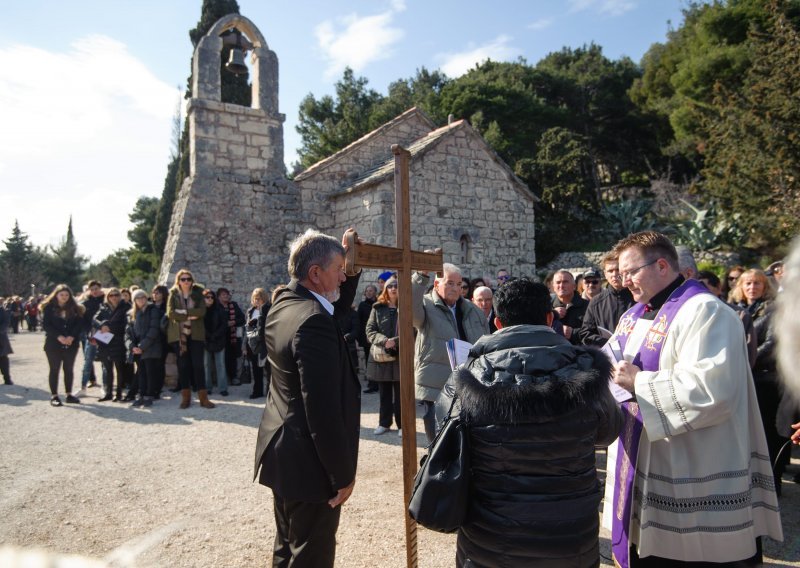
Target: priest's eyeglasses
(631, 273)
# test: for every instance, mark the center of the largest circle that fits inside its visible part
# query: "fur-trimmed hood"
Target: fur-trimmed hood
(529, 373)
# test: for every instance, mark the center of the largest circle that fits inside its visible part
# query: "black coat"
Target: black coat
(217, 330)
(535, 407)
(257, 326)
(54, 326)
(307, 445)
(145, 333)
(576, 309)
(117, 320)
(91, 304)
(604, 310)
(5, 321)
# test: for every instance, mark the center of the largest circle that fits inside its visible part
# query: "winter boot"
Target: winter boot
(204, 402)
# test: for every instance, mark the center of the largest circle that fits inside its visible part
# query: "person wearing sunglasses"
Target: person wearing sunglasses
(186, 332)
(591, 284)
(112, 317)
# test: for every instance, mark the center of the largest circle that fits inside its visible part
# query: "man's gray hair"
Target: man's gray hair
(564, 271)
(686, 261)
(787, 324)
(310, 248)
(447, 267)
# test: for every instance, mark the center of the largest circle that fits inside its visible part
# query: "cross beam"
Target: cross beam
(404, 260)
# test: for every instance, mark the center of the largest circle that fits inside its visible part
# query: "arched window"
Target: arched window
(466, 249)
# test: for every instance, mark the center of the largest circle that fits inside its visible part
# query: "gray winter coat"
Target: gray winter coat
(382, 325)
(145, 333)
(434, 323)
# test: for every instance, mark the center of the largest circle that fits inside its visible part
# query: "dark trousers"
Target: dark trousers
(60, 358)
(191, 365)
(306, 534)
(769, 397)
(108, 376)
(258, 375)
(657, 562)
(389, 403)
(5, 368)
(147, 370)
(232, 354)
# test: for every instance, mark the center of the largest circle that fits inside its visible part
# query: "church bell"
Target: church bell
(235, 62)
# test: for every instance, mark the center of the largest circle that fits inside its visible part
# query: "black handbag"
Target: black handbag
(440, 496)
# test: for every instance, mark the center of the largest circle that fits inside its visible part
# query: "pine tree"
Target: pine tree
(20, 264)
(64, 264)
(753, 153)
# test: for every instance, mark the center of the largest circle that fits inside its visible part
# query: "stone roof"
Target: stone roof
(382, 170)
(322, 164)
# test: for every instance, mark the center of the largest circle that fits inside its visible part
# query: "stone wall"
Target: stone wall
(320, 181)
(456, 188)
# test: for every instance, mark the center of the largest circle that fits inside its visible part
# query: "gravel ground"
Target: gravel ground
(166, 487)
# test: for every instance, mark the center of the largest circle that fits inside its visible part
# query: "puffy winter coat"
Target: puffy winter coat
(117, 320)
(144, 332)
(535, 407)
(435, 325)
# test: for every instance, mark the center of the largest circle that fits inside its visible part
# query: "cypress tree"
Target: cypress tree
(64, 264)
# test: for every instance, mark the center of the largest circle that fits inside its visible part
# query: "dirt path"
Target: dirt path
(165, 487)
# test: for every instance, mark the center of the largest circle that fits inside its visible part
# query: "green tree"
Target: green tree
(125, 267)
(20, 264)
(752, 159)
(63, 264)
(711, 47)
(329, 124)
(143, 218)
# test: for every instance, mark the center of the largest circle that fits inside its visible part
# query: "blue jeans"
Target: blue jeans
(222, 375)
(89, 353)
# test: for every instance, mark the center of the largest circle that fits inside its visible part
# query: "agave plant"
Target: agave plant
(621, 218)
(706, 230)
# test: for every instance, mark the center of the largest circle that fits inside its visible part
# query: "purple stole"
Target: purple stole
(628, 448)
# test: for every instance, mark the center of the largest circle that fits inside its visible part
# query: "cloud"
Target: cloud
(354, 41)
(86, 132)
(607, 7)
(541, 24)
(455, 64)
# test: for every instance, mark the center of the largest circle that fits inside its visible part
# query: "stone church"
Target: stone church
(237, 211)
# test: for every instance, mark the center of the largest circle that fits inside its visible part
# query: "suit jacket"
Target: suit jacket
(307, 445)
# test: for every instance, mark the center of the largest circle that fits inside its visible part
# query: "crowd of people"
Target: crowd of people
(692, 357)
(131, 333)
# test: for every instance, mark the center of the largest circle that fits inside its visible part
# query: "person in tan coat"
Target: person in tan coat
(186, 332)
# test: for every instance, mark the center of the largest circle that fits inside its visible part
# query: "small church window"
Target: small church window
(466, 249)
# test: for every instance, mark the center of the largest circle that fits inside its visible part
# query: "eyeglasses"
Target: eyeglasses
(503, 277)
(733, 278)
(465, 287)
(635, 271)
(391, 286)
(591, 282)
(185, 279)
(114, 295)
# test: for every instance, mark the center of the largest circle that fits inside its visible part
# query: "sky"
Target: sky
(89, 89)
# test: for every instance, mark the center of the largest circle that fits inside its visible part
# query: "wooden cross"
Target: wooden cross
(404, 260)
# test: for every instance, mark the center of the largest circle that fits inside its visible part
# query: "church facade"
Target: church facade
(237, 211)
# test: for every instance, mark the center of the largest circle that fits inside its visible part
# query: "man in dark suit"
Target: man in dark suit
(308, 439)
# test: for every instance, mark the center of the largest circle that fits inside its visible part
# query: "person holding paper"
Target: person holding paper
(111, 320)
(689, 479)
(535, 407)
(438, 316)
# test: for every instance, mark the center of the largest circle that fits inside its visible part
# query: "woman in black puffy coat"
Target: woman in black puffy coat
(535, 407)
(217, 330)
(382, 331)
(112, 317)
(143, 343)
